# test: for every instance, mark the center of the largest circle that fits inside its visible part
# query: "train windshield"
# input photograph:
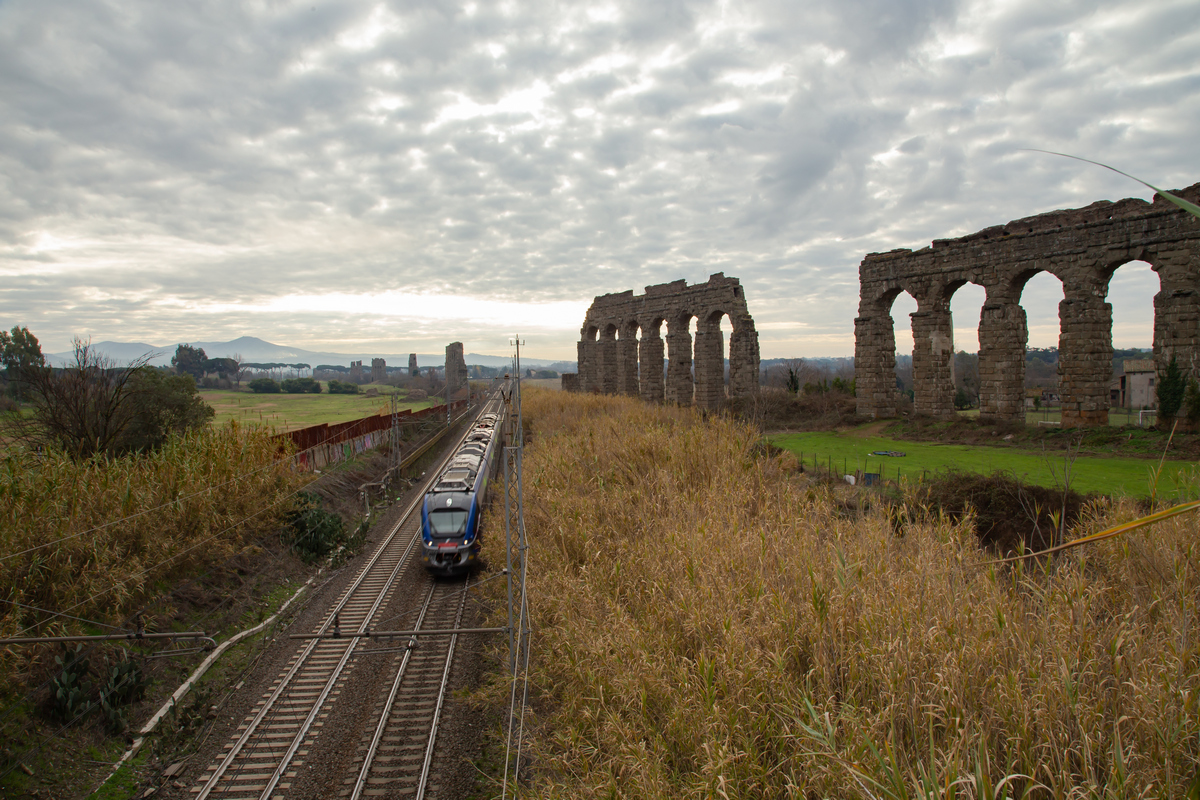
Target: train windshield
(448, 522)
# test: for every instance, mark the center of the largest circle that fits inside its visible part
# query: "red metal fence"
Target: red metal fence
(323, 444)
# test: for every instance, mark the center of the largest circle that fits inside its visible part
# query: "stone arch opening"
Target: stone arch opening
(898, 307)
(1040, 295)
(1131, 289)
(627, 358)
(966, 310)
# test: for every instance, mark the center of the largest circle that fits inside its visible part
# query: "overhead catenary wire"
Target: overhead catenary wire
(68, 616)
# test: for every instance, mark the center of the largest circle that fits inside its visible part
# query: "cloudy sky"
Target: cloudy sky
(391, 176)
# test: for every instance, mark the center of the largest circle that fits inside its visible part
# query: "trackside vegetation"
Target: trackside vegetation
(95, 537)
(709, 622)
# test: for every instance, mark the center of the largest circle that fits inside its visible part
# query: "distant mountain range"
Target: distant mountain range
(256, 350)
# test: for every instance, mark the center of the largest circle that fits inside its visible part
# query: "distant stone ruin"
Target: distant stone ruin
(412, 365)
(456, 369)
(1082, 247)
(356, 371)
(621, 346)
(378, 370)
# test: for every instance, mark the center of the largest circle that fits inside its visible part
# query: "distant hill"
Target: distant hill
(253, 349)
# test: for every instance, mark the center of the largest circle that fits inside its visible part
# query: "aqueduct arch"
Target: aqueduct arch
(613, 360)
(1082, 248)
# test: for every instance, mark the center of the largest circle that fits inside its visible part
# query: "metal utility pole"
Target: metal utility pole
(395, 459)
(514, 518)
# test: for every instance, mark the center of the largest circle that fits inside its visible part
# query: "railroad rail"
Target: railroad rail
(397, 758)
(273, 743)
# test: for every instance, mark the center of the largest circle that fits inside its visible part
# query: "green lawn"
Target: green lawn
(1090, 474)
(285, 412)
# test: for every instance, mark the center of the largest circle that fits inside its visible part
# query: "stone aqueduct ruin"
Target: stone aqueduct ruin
(613, 360)
(1082, 248)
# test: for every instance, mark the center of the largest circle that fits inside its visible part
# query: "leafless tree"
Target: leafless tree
(83, 408)
(239, 371)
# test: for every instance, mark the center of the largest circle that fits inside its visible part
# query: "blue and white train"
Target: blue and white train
(452, 508)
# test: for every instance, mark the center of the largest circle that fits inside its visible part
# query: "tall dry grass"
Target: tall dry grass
(175, 509)
(709, 623)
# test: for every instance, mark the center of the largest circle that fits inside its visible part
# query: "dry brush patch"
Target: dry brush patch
(707, 622)
(93, 538)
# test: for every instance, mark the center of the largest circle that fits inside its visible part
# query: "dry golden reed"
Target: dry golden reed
(708, 623)
(175, 509)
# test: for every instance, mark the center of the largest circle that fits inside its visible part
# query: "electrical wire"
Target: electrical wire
(68, 616)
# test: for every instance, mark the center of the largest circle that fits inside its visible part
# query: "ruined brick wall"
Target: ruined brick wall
(614, 360)
(1082, 247)
(456, 369)
(356, 371)
(378, 370)
(412, 365)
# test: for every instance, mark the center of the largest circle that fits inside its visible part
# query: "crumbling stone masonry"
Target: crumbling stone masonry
(412, 365)
(1082, 247)
(614, 360)
(378, 370)
(456, 369)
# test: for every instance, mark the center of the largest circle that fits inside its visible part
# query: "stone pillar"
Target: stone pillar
(1003, 334)
(650, 356)
(679, 363)
(606, 363)
(933, 361)
(743, 358)
(710, 366)
(627, 362)
(456, 369)
(587, 355)
(875, 366)
(1177, 312)
(1084, 359)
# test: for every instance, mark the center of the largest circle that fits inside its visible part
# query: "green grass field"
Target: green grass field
(1129, 477)
(286, 412)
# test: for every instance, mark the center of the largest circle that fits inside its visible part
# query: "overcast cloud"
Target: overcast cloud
(396, 175)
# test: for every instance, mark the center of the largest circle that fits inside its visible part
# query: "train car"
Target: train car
(452, 508)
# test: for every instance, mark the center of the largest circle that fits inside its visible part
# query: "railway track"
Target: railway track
(273, 745)
(397, 757)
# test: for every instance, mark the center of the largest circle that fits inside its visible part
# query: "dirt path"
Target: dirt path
(874, 429)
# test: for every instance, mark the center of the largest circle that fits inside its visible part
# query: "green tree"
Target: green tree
(301, 386)
(263, 386)
(189, 360)
(1171, 387)
(1191, 403)
(338, 387)
(163, 404)
(20, 353)
(226, 368)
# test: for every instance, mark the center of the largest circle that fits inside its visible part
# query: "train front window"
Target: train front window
(447, 523)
